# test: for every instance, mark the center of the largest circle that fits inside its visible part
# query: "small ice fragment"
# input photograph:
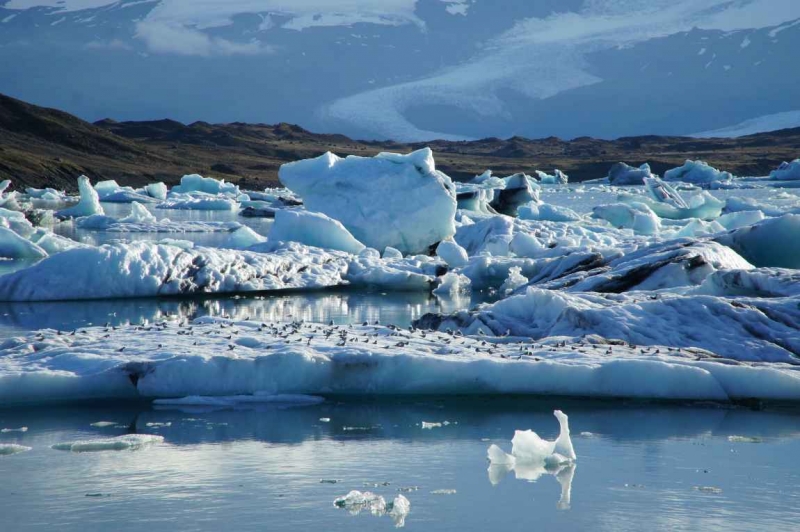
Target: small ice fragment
(7, 449)
(587, 434)
(398, 510)
(158, 425)
(127, 442)
(708, 489)
(744, 439)
(357, 501)
(408, 489)
(329, 481)
(443, 492)
(430, 425)
(103, 424)
(21, 429)
(325, 419)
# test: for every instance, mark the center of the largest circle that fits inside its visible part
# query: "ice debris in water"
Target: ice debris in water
(430, 425)
(102, 424)
(528, 447)
(708, 489)
(127, 442)
(744, 439)
(356, 502)
(7, 449)
(20, 429)
(443, 492)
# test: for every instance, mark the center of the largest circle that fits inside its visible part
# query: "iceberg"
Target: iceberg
(786, 171)
(208, 185)
(393, 200)
(215, 357)
(7, 449)
(313, 229)
(698, 173)
(773, 242)
(558, 177)
(144, 269)
(200, 201)
(746, 329)
(528, 447)
(453, 254)
(13, 246)
(622, 174)
(515, 190)
(88, 205)
(545, 211)
(634, 215)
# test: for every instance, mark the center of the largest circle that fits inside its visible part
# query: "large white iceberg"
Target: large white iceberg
(144, 269)
(697, 172)
(746, 329)
(786, 171)
(393, 200)
(208, 185)
(623, 174)
(773, 242)
(313, 229)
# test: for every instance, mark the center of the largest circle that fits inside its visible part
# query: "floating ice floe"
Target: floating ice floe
(232, 401)
(637, 216)
(140, 220)
(89, 203)
(786, 171)
(198, 201)
(7, 449)
(529, 447)
(558, 177)
(744, 329)
(7, 430)
(697, 172)
(393, 200)
(622, 174)
(221, 358)
(356, 502)
(313, 229)
(144, 269)
(532, 457)
(111, 192)
(128, 442)
(207, 185)
(544, 211)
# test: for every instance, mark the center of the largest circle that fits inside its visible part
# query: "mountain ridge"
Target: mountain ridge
(47, 147)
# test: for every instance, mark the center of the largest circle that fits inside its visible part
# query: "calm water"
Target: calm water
(341, 306)
(638, 468)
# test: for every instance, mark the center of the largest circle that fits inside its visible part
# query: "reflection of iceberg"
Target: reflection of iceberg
(532, 472)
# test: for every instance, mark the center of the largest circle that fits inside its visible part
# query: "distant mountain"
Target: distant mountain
(45, 147)
(412, 69)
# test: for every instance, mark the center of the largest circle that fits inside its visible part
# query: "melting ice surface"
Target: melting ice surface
(237, 468)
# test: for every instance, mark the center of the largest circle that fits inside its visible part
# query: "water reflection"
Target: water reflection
(531, 472)
(340, 306)
(241, 468)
